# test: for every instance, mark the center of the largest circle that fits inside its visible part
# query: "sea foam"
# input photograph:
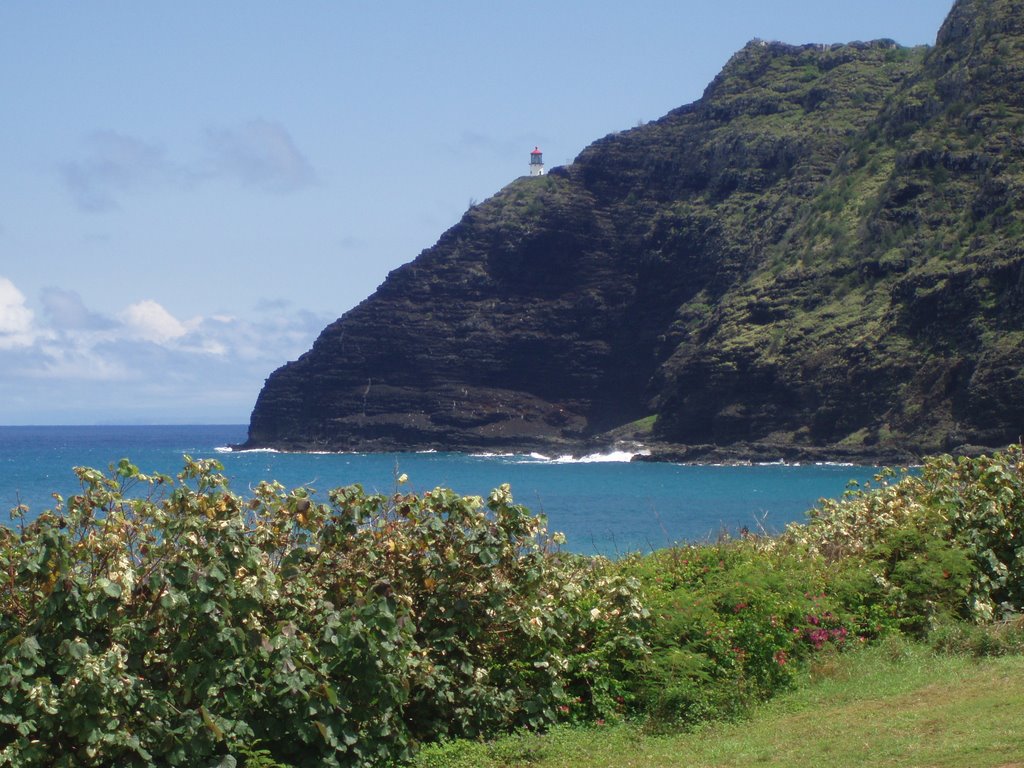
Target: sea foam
(600, 458)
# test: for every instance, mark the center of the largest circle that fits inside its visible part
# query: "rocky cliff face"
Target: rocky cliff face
(822, 256)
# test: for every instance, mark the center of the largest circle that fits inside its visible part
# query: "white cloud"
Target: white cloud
(260, 154)
(65, 310)
(115, 164)
(15, 317)
(141, 359)
(149, 321)
(73, 361)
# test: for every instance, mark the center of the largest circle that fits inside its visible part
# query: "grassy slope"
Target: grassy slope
(891, 706)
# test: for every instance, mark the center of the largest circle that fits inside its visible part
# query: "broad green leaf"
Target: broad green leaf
(78, 649)
(110, 588)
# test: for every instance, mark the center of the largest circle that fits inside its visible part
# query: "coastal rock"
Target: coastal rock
(822, 257)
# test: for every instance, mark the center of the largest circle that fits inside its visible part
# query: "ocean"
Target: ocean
(603, 504)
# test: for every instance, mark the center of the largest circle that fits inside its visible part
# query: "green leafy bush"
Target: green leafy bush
(917, 552)
(947, 540)
(150, 621)
(731, 623)
(154, 623)
(982, 502)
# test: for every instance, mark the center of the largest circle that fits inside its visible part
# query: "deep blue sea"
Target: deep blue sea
(603, 506)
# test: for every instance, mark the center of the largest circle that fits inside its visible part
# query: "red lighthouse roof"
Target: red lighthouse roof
(536, 151)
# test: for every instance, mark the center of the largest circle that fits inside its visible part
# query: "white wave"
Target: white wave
(601, 458)
(224, 449)
(518, 458)
(247, 450)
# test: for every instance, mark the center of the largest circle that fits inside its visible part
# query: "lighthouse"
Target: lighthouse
(536, 162)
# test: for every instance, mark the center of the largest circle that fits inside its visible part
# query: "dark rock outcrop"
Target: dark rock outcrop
(820, 257)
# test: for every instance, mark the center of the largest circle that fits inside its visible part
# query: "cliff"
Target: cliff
(819, 258)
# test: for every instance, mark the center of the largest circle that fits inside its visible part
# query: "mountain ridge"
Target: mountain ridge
(820, 258)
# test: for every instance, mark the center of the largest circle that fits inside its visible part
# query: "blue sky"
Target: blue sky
(191, 191)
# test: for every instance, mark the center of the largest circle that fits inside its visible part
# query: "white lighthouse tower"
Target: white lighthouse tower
(536, 162)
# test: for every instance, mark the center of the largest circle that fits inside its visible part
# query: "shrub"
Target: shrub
(982, 502)
(150, 621)
(154, 623)
(946, 540)
(166, 629)
(917, 552)
(730, 624)
(862, 518)
(998, 639)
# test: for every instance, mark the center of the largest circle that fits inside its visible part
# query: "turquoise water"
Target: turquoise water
(605, 507)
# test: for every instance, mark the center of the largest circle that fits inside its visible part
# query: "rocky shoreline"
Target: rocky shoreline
(769, 453)
(752, 453)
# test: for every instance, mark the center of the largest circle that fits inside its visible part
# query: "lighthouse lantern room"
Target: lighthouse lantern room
(536, 162)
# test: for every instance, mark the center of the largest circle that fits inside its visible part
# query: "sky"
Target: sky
(191, 191)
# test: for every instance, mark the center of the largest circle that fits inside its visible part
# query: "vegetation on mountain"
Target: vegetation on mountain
(888, 312)
(821, 257)
(154, 622)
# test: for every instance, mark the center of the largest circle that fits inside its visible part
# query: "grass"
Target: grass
(895, 706)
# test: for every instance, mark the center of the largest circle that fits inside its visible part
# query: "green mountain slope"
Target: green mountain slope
(890, 311)
(821, 256)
